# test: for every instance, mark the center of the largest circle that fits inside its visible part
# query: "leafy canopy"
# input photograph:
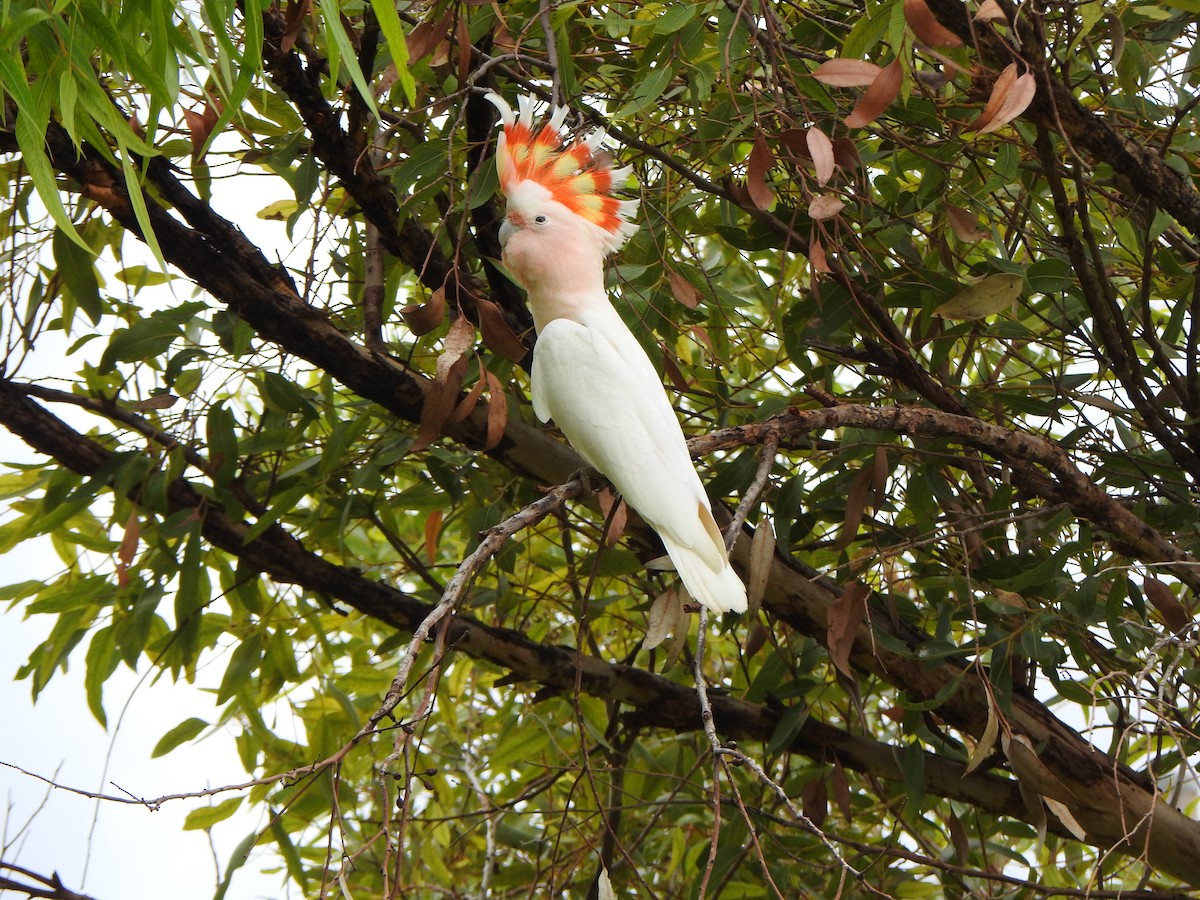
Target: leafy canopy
(921, 278)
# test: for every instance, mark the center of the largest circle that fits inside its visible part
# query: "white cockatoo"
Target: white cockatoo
(590, 374)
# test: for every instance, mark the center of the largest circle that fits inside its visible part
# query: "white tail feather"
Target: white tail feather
(721, 590)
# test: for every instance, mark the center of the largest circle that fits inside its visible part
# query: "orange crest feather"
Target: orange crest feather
(574, 174)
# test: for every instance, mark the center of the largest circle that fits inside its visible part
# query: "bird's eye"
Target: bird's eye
(541, 220)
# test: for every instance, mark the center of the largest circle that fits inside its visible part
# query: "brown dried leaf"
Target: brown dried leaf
(1001, 87)
(128, 548)
(846, 155)
(1031, 771)
(846, 72)
(442, 394)
(958, 838)
(685, 292)
(845, 615)
(816, 256)
(467, 405)
(497, 411)
(762, 553)
(990, 11)
(433, 528)
(422, 318)
(878, 97)
(756, 639)
(700, 333)
(200, 127)
(502, 40)
(820, 148)
(663, 619)
(964, 224)
(293, 22)
(926, 27)
(814, 800)
(796, 140)
(840, 785)
(761, 159)
(856, 506)
(1063, 814)
(496, 333)
(462, 37)
(987, 740)
(615, 521)
(426, 36)
(672, 370)
(1160, 594)
(825, 206)
(1016, 101)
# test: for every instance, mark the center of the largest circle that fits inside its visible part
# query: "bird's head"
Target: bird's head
(560, 202)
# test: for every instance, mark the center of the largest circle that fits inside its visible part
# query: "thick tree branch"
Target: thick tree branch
(1116, 806)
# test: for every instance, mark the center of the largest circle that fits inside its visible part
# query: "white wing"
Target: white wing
(596, 382)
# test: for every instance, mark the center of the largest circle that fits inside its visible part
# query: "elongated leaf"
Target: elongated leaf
(180, 734)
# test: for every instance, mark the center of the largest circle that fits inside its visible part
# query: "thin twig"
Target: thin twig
(769, 445)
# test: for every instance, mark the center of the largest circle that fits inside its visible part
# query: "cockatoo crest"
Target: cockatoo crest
(574, 174)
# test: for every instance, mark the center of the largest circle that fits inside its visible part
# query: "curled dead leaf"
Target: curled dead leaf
(762, 552)
(820, 148)
(496, 333)
(200, 127)
(878, 97)
(497, 411)
(761, 159)
(846, 72)
(987, 740)
(816, 255)
(1015, 102)
(293, 23)
(427, 36)
(422, 318)
(614, 519)
(1031, 771)
(845, 615)
(846, 155)
(922, 22)
(814, 800)
(840, 785)
(433, 529)
(965, 225)
(825, 206)
(856, 506)
(1064, 815)
(663, 620)
(756, 639)
(443, 392)
(683, 290)
(990, 11)
(1159, 593)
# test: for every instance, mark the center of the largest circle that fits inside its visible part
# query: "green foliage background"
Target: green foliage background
(273, 453)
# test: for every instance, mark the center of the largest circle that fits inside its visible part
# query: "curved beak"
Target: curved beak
(506, 231)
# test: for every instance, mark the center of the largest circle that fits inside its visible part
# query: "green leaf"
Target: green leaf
(237, 859)
(291, 855)
(393, 33)
(77, 269)
(207, 816)
(243, 663)
(180, 734)
(101, 662)
(149, 337)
